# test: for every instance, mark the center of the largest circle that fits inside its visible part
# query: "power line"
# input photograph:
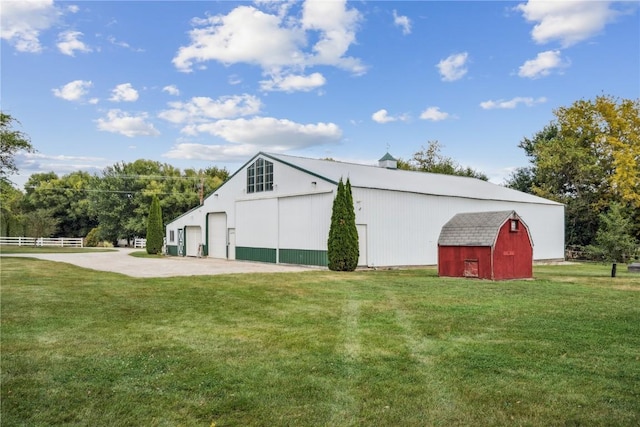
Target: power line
(155, 177)
(96, 190)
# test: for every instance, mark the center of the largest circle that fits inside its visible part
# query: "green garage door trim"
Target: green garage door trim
(256, 254)
(304, 257)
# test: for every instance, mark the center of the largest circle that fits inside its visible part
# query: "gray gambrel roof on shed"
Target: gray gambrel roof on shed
(475, 228)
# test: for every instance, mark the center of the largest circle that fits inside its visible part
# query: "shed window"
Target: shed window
(260, 176)
(514, 225)
(172, 235)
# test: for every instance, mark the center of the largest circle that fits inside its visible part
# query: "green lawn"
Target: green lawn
(144, 254)
(385, 348)
(10, 249)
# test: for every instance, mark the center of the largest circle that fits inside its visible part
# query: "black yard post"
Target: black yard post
(613, 270)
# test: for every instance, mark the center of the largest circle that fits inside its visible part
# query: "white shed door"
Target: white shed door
(218, 235)
(362, 244)
(193, 237)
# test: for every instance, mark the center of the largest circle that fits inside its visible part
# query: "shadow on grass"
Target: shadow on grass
(144, 254)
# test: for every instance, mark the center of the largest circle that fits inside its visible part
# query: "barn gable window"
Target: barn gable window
(514, 225)
(260, 176)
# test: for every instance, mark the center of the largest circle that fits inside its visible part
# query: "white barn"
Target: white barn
(277, 208)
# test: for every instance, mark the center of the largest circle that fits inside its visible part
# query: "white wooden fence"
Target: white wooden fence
(139, 243)
(63, 242)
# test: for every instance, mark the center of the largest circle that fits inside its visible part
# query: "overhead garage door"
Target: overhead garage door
(193, 240)
(218, 235)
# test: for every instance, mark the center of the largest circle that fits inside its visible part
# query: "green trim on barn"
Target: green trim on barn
(304, 257)
(172, 250)
(244, 253)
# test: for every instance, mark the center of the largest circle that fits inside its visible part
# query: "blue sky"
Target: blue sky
(200, 83)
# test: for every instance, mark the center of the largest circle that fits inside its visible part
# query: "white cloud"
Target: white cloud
(542, 65)
(21, 23)
(246, 136)
(204, 109)
(275, 42)
(60, 164)
(434, 114)
(292, 83)
(246, 35)
(382, 116)
(69, 42)
(512, 103)
(268, 132)
(337, 26)
(402, 22)
(118, 121)
(115, 42)
(124, 93)
(171, 90)
(568, 22)
(212, 153)
(453, 67)
(73, 91)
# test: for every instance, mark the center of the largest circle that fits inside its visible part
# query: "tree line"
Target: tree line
(115, 203)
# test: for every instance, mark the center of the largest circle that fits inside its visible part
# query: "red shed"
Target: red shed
(487, 245)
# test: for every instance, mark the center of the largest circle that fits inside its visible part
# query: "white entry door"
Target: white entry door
(193, 239)
(218, 235)
(362, 244)
(232, 244)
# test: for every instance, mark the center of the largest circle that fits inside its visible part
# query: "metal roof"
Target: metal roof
(387, 156)
(375, 177)
(474, 228)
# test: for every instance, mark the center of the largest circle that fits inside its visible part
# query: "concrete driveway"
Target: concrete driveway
(120, 261)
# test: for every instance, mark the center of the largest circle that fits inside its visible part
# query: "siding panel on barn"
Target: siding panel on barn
(257, 223)
(303, 257)
(256, 254)
(456, 262)
(304, 221)
(512, 255)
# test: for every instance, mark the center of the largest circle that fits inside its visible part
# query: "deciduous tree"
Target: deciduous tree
(11, 214)
(430, 159)
(41, 223)
(67, 198)
(587, 158)
(124, 192)
(11, 142)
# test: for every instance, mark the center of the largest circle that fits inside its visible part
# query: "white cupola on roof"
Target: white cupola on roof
(387, 161)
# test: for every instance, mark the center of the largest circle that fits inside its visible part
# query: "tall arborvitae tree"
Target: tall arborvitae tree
(342, 244)
(155, 229)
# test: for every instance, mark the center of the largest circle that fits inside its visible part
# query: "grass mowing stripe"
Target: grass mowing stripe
(425, 351)
(346, 409)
